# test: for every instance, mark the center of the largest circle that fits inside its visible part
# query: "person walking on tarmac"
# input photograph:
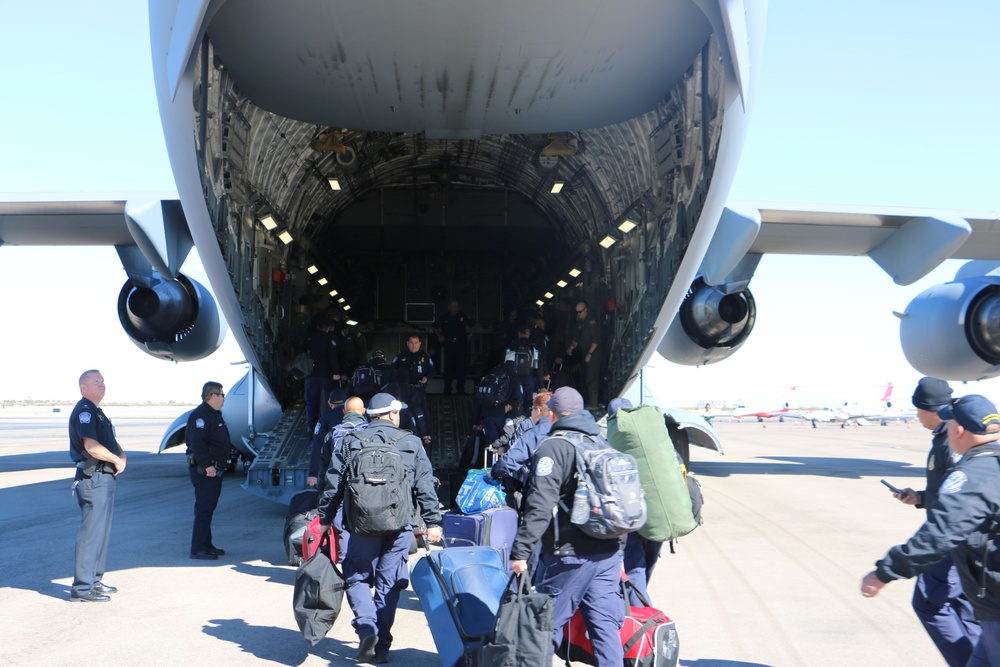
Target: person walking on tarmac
(938, 599)
(99, 460)
(208, 446)
(962, 521)
(577, 571)
(379, 562)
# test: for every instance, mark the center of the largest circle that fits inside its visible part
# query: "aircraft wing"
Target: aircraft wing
(64, 223)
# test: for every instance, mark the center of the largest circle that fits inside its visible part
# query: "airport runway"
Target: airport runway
(794, 517)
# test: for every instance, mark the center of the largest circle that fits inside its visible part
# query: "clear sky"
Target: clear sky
(859, 102)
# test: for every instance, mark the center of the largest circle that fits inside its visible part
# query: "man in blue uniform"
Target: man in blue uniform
(578, 571)
(208, 446)
(326, 369)
(99, 459)
(414, 367)
(319, 457)
(379, 562)
(453, 331)
(938, 599)
(962, 521)
(523, 363)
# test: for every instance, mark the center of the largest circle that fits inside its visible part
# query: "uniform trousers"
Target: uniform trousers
(96, 498)
(206, 498)
(946, 613)
(591, 583)
(591, 375)
(316, 392)
(640, 558)
(528, 386)
(987, 651)
(378, 563)
(456, 356)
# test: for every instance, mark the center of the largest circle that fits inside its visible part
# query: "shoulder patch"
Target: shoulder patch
(954, 482)
(315, 430)
(84, 417)
(544, 467)
(199, 423)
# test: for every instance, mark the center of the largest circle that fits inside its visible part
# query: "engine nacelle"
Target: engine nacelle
(952, 331)
(176, 320)
(710, 326)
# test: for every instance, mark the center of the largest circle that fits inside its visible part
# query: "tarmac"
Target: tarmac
(794, 517)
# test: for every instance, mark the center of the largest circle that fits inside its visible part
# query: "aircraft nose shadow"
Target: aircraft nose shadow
(850, 468)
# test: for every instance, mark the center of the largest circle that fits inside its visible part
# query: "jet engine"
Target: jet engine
(952, 331)
(176, 320)
(712, 323)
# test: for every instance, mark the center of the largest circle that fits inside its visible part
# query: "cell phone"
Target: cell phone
(891, 487)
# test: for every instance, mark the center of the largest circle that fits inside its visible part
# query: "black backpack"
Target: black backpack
(378, 494)
(525, 358)
(494, 388)
(367, 379)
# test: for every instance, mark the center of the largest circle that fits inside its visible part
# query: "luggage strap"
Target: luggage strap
(637, 637)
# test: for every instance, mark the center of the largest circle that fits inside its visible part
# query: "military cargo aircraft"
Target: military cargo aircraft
(379, 159)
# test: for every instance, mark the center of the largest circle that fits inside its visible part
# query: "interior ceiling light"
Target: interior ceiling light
(608, 241)
(627, 226)
(549, 295)
(285, 237)
(352, 323)
(269, 222)
(574, 272)
(346, 307)
(334, 183)
(562, 283)
(322, 281)
(333, 292)
(341, 300)
(540, 303)
(557, 187)
(312, 269)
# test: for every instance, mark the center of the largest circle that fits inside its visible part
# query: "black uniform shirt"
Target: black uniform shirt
(417, 363)
(207, 436)
(962, 521)
(455, 327)
(939, 463)
(89, 421)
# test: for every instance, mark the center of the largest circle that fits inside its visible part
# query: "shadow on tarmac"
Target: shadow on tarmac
(708, 662)
(809, 465)
(286, 647)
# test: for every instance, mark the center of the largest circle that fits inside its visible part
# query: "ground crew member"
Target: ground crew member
(453, 331)
(208, 446)
(938, 599)
(99, 459)
(577, 571)
(414, 367)
(380, 562)
(319, 457)
(962, 521)
(586, 337)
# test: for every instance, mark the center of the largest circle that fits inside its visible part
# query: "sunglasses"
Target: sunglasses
(218, 393)
(582, 311)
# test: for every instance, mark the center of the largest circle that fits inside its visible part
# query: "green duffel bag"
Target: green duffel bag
(642, 433)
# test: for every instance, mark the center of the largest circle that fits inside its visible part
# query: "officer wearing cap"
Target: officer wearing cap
(938, 599)
(413, 368)
(208, 451)
(99, 459)
(963, 520)
(577, 571)
(319, 457)
(380, 562)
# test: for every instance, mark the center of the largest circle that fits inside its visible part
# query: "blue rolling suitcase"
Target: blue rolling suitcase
(460, 590)
(494, 528)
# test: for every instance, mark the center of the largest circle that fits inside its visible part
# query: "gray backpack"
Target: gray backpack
(609, 500)
(378, 495)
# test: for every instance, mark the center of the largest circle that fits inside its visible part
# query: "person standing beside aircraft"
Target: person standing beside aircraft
(208, 449)
(962, 522)
(452, 329)
(99, 460)
(586, 336)
(938, 599)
